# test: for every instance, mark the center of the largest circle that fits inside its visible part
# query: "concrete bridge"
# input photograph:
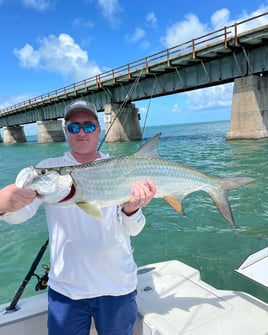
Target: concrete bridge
(223, 56)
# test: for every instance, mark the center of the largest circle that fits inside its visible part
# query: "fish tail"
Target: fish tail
(219, 196)
(223, 205)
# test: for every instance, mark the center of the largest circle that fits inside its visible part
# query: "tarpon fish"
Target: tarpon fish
(107, 182)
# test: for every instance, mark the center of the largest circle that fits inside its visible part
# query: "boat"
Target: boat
(254, 265)
(172, 299)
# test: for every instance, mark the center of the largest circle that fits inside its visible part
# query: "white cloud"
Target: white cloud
(13, 100)
(40, 5)
(58, 54)
(110, 10)
(184, 31)
(222, 18)
(209, 98)
(79, 21)
(191, 27)
(151, 18)
(176, 108)
(138, 34)
(28, 57)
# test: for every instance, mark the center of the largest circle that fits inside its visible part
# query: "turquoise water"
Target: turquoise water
(201, 239)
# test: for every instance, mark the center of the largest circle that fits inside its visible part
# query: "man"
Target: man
(92, 270)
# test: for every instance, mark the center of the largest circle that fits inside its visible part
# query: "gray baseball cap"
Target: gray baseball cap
(80, 105)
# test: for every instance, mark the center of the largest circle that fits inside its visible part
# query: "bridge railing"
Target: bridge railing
(139, 66)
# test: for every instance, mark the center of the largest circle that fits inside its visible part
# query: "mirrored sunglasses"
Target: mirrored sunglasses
(74, 128)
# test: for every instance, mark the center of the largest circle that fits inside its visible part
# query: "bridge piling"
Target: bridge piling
(50, 131)
(122, 125)
(249, 118)
(14, 134)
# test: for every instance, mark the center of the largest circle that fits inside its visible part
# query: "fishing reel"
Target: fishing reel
(42, 281)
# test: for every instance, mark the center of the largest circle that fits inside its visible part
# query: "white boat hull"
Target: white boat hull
(254, 267)
(172, 300)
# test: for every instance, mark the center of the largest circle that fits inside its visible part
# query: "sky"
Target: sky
(49, 44)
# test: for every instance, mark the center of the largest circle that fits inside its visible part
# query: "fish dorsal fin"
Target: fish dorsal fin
(149, 148)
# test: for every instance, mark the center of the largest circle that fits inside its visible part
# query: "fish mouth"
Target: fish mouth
(25, 177)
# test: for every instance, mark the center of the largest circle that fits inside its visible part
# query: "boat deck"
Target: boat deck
(173, 300)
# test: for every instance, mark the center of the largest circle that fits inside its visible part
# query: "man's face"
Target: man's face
(82, 142)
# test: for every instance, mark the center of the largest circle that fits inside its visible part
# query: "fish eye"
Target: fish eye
(42, 172)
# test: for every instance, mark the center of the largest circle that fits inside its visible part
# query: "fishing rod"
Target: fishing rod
(41, 281)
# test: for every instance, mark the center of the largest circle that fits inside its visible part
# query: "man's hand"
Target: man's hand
(13, 198)
(142, 193)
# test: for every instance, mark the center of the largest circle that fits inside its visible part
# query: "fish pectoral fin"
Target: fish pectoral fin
(90, 209)
(174, 203)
